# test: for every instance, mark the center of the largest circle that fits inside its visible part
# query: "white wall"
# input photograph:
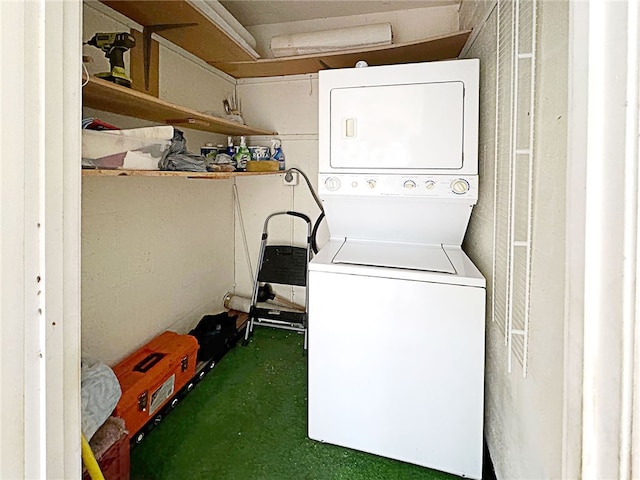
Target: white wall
(406, 25)
(157, 253)
(524, 416)
(472, 14)
(288, 105)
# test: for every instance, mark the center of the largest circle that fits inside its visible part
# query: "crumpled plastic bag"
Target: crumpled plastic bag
(177, 158)
(99, 394)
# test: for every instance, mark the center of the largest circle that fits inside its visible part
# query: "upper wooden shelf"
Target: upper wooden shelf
(204, 39)
(107, 96)
(436, 48)
(209, 42)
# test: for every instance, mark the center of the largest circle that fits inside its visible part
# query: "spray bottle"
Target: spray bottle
(243, 155)
(278, 154)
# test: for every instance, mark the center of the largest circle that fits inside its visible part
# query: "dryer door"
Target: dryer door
(417, 127)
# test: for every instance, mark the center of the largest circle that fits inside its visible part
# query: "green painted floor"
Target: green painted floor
(248, 419)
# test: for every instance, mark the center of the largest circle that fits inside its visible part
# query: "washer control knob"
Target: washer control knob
(371, 183)
(430, 184)
(332, 183)
(409, 184)
(460, 186)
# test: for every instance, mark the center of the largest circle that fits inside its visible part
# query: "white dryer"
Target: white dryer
(396, 308)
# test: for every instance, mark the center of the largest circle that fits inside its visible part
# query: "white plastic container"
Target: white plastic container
(109, 149)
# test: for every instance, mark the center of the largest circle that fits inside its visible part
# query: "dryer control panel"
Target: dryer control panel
(429, 186)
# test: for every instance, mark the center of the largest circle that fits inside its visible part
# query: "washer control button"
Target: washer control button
(430, 184)
(460, 186)
(354, 184)
(409, 184)
(332, 184)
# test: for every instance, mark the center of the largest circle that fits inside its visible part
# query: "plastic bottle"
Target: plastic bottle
(278, 154)
(243, 155)
(230, 150)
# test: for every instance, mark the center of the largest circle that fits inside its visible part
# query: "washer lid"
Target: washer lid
(411, 256)
(467, 274)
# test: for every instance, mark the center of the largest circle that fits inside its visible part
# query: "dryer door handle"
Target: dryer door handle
(349, 128)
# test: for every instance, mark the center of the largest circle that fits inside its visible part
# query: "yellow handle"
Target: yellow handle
(90, 462)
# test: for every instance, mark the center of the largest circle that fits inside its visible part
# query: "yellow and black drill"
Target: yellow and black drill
(114, 45)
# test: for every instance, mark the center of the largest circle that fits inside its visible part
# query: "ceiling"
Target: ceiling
(260, 12)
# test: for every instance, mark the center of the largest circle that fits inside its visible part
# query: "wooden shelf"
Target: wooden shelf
(107, 96)
(205, 39)
(208, 41)
(91, 172)
(435, 48)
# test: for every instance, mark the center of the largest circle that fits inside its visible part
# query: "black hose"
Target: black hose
(314, 231)
(313, 192)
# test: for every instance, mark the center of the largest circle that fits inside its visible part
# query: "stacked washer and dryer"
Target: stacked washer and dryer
(396, 308)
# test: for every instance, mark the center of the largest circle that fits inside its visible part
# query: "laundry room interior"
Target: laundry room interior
(159, 252)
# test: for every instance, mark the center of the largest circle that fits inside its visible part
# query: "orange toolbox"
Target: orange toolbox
(152, 375)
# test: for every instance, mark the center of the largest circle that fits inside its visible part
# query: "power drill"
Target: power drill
(114, 45)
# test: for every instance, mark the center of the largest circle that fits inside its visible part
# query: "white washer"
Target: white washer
(396, 357)
(396, 308)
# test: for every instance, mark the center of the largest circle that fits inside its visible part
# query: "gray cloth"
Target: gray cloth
(99, 395)
(177, 158)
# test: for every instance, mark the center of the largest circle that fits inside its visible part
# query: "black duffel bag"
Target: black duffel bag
(216, 334)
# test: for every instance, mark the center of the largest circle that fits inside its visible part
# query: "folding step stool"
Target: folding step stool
(283, 265)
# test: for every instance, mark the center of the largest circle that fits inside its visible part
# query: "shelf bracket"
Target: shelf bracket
(149, 30)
